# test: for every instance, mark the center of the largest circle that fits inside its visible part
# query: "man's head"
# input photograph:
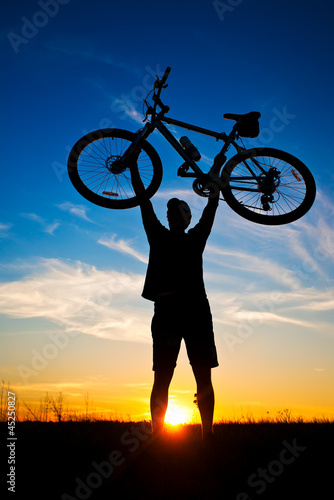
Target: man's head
(178, 215)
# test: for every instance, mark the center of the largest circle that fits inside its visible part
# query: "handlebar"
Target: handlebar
(166, 75)
(158, 84)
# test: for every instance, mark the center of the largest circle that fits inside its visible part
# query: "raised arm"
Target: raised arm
(209, 212)
(146, 206)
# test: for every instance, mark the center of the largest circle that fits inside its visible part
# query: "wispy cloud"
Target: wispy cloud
(33, 217)
(124, 247)
(4, 228)
(76, 210)
(40, 387)
(207, 160)
(50, 228)
(45, 225)
(250, 263)
(166, 194)
(271, 318)
(321, 304)
(79, 298)
(296, 256)
(266, 291)
(129, 110)
(81, 48)
(246, 315)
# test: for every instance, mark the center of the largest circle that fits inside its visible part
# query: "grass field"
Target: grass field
(116, 460)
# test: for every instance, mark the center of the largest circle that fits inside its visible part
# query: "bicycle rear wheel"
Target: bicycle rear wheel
(268, 186)
(97, 172)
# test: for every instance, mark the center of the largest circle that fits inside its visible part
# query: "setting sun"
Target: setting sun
(176, 415)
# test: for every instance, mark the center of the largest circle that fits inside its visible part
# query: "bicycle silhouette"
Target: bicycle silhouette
(263, 185)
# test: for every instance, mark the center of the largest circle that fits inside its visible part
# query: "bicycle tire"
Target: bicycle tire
(90, 169)
(293, 197)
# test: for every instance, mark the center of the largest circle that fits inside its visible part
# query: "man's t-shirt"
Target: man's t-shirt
(175, 261)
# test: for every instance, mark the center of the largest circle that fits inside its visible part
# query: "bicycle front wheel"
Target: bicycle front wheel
(97, 172)
(268, 186)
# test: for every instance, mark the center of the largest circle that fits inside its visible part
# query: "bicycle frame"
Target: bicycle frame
(157, 123)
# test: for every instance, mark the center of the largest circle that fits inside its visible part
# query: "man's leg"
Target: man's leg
(205, 397)
(159, 398)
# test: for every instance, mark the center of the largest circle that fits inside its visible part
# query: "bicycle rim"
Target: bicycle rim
(292, 193)
(95, 173)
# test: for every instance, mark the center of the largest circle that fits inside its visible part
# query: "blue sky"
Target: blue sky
(71, 268)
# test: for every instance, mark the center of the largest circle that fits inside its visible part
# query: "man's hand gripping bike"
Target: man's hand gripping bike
(263, 185)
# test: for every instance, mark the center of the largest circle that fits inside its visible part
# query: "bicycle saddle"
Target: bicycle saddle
(247, 125)
(233, 116)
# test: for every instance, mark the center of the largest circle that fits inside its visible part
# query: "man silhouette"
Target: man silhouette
(174, 281)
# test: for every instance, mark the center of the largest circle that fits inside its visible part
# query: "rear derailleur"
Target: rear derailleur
(268, 186)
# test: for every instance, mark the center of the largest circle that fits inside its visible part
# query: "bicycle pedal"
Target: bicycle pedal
(110, 193)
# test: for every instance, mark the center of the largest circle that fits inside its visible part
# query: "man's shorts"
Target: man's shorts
(175, 318)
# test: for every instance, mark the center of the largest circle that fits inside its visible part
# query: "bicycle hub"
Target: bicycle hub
(115, 165)
(270, 182)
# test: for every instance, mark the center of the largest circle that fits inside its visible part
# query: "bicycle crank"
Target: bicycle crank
(205, 188)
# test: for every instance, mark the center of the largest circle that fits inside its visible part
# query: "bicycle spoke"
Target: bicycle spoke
(248, 189)
(95, 168)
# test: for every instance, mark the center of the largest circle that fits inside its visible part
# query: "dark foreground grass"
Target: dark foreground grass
(118, 460)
